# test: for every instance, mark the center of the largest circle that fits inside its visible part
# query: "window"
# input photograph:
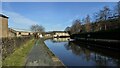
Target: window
(29, 33)
(19, 32)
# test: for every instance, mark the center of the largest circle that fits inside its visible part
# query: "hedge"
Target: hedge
(108, 34)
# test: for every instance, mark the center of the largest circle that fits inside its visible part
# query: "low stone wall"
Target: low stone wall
(10, 44)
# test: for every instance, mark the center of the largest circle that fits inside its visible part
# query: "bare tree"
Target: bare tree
(67, 28)
(87, 24)
(103, 15)
(118, 8)
(37, 28)
(76, 27)
(83, 26)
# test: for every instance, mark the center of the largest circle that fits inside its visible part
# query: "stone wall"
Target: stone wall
(10, 44)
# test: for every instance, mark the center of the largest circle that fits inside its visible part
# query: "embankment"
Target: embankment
(105, 39)
(18, 57)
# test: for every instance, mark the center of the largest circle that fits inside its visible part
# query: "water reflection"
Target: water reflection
(77, 53)
(60, 39)
(75, 49)
(100, 58)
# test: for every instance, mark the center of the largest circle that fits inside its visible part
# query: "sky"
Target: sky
(59, 0)
(54, 16)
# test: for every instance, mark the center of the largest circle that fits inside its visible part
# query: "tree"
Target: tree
(37, 28)
(67, 28)
(83, 26)
(118, 8)
(87, 24)
(103, 15)
(76, 27)
(106, 12)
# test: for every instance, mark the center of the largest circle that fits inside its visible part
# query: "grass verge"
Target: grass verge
(19, 56)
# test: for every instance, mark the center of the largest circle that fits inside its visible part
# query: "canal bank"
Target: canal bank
(40, 55)
(79, 54)
(106, 38)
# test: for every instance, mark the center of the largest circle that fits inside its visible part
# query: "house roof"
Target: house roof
(56, 32)
(1, 15)
(59, 32)
(20, 30)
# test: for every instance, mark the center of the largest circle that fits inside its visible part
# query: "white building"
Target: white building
(60, 34)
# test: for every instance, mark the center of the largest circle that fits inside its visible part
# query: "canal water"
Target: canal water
(81, 54)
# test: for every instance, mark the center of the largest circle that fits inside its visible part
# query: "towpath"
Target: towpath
(39, 56)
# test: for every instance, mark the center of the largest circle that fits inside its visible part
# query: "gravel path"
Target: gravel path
(39, 56)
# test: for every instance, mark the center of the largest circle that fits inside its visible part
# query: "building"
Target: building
(60, 34)
(3, 26)
(48, 34)
(11, 33)
(19, 33)
(57, 34)
(23, 33)
(8, 32)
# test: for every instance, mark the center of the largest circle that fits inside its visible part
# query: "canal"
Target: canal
(81, 54)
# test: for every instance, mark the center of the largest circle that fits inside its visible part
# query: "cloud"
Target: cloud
(18, 20)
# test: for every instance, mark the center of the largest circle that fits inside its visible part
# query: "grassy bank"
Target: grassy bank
(19, 56)
(10, 44)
